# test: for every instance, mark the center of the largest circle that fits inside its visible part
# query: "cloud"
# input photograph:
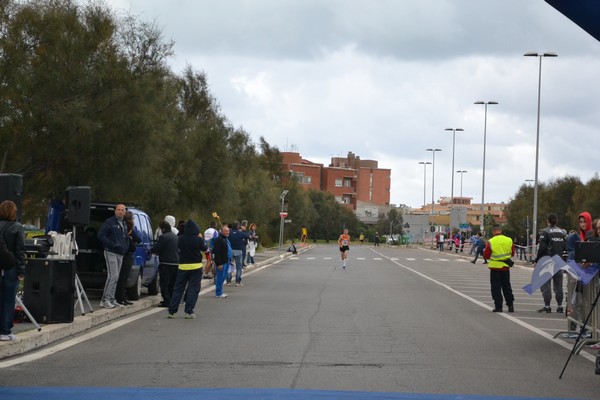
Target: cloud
(383, 79)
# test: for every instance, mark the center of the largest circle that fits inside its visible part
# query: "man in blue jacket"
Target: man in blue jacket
(113, 235)
(238, 239)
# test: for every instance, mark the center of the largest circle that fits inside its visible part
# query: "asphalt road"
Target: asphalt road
(396, 320)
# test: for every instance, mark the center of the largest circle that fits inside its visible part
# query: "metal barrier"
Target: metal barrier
(580, 299)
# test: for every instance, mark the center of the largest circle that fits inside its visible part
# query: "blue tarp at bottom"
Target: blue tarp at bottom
(101, 393)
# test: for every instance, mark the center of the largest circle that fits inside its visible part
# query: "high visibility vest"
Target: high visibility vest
(501, 250)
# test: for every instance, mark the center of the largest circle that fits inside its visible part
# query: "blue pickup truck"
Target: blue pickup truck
(90, 264)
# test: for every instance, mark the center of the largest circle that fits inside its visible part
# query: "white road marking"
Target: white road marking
(105, 329)
(515, 320)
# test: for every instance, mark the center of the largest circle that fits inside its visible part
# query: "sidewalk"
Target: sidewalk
(29, 338)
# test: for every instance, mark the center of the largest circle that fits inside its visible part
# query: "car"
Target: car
(90, 263)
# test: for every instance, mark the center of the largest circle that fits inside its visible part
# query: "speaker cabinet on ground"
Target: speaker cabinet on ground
(50, 290)
(11, 188)
(78, 205)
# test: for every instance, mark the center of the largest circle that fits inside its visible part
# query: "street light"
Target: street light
(485, 103)
(537, 142)
(461, 184)
(282, 215)
(432, 179)
(452, 190)
(424, 163)
(528, 181)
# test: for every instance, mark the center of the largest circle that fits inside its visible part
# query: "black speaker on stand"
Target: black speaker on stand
(78, 199)
(11, 188)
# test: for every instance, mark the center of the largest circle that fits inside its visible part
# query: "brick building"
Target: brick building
(359, 184)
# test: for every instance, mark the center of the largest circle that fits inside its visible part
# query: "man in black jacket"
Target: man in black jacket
(222, 255)
(552, 242)
(168, 257)
(113, 235)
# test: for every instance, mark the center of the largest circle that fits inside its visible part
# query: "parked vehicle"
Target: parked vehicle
(90, 263)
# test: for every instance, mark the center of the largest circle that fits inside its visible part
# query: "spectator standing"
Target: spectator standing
(113, 235)
(252, 244)
(222, 254)
(376, 240)
(210, 235)
(522, 247)
(191, 246)
(499, 250)
(238, 239)
(14, 237)
(167, 249)
(134, 240)
(244, 228)
(552, 242)
(171, 220)
(440, 242)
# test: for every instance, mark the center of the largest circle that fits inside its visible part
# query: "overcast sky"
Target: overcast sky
(384, 78)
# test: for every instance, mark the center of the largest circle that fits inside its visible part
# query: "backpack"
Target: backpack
(7, 258)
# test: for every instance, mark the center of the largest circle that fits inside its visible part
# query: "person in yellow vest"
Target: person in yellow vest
(499, 250)
(189, 274)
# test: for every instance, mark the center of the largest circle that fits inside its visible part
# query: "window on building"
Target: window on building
(346, 199)
(338, 183)
(347, 182)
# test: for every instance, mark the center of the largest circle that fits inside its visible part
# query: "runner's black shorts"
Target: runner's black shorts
(344, 248)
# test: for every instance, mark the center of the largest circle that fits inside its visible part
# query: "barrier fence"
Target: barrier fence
(580, 300)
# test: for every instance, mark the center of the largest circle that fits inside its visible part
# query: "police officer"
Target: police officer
(552, 242)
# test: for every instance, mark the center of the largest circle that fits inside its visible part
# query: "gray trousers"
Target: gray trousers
(113, 267)
(558, 289)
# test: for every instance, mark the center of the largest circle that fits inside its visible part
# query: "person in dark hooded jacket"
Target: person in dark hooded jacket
(191, 247)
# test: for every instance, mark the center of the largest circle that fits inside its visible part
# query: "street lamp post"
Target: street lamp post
(485, 103)
(432, 179)
(282, 215)
(461, 184)
(537, 142)
(528, 181)
(452, 188)
(424, 163)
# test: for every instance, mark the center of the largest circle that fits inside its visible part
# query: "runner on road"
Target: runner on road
(344, 242)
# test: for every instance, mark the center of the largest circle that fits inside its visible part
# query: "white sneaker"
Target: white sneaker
(239, 284)
(190, 316)
(222, 296)
(117, 305)
(106, 304)
(7, 338)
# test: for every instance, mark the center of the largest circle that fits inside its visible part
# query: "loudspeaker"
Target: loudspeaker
(11, 188)
(50, 290)
(78, 205)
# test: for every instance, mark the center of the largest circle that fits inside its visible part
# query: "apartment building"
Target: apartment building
(359, 184)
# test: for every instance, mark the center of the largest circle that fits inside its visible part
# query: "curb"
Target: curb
(50, 333)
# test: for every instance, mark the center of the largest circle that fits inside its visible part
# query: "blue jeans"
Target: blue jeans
(220, 278)
(8, 291)
(237, 255)
(192, 279)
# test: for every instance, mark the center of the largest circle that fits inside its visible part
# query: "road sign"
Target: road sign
(287, 221)
(283, 214)
(432, 228)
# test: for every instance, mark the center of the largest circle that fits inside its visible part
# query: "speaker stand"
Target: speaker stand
(81, 295)
(26, 311)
